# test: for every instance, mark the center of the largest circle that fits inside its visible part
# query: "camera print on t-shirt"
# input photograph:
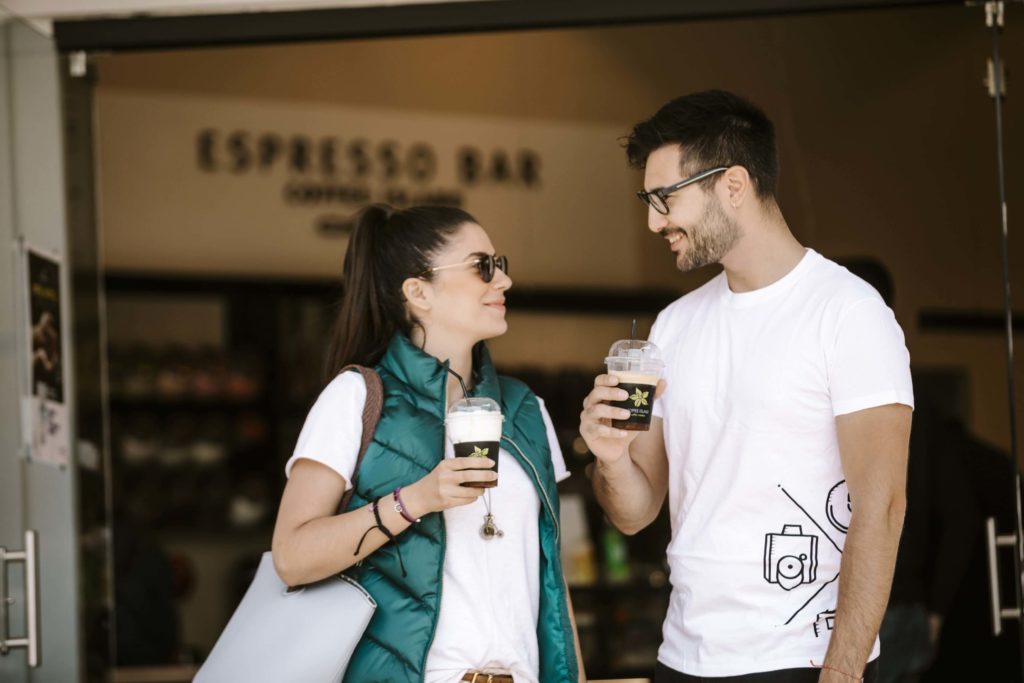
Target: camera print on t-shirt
(791, 553)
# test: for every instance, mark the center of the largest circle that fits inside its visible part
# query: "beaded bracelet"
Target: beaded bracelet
(375, 509)
(400, 507)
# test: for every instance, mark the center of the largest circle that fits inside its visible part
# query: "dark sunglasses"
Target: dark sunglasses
(485, 263)
(657, 198)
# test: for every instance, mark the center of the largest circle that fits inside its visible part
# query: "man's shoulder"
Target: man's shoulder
(835, 285)
(695, 298)
(680, 313)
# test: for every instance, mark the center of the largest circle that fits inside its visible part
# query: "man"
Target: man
(780, 434)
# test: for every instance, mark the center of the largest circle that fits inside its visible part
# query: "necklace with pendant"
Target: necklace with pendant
(489, 530)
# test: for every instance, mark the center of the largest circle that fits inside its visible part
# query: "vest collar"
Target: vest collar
(427, 376)
(486, 377)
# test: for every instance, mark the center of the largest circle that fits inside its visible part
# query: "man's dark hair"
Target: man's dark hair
(713, 128)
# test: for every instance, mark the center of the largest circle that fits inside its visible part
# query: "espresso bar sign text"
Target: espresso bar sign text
(333, 170)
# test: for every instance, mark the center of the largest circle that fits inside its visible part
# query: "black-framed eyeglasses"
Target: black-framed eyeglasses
(657, 198)
(485, 263)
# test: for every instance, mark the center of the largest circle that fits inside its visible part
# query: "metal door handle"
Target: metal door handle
(31, 640)
(999, 613)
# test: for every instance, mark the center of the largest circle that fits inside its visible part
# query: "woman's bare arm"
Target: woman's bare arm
(312, 541)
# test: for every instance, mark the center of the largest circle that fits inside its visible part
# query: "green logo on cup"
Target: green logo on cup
(479, 452)
(639, 398)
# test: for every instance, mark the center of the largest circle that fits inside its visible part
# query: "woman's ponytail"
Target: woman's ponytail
(360, 327)
(386, 248)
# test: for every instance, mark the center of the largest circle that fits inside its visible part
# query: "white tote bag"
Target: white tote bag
(307, 634)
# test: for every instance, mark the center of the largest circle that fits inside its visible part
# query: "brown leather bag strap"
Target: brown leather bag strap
(371, 416)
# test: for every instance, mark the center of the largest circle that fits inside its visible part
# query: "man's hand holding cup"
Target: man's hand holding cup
(619, 406)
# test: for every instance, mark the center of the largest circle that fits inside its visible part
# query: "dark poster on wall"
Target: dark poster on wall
(45, 432)
(44, 317)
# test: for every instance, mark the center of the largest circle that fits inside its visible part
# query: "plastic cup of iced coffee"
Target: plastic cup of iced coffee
(638, 366)
(474, 427)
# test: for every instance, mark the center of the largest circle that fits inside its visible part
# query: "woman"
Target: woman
(423, 290)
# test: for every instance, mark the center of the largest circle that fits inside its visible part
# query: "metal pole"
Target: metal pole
(995, 19)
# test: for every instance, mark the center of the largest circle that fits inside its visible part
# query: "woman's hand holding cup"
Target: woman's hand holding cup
(443, 487)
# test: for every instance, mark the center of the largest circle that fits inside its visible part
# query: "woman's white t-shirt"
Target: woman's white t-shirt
(490, 597)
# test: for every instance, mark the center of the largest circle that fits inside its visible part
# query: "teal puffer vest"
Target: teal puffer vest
(408, 444)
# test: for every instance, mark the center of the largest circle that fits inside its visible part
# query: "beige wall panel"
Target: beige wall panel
(161, 212)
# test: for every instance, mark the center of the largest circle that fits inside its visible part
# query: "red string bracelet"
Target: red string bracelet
(832, 668)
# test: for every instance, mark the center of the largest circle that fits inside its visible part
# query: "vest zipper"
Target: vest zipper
(444, 540)
(540, 487)
(440, 588)
(551, 511)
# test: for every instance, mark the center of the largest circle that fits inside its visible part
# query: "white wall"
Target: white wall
(33, 494)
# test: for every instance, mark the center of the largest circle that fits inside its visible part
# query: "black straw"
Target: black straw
(465, 392)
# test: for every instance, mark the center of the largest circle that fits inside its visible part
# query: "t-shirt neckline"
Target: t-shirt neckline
(775, 289)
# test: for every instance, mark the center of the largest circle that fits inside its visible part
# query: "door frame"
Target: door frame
(469, 16)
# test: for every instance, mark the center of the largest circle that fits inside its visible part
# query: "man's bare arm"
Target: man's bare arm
(873, 446)
(631, 474)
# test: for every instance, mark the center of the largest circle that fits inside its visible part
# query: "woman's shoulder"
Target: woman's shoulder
(516, 392)
(514, 384)
(539, 422)
(346, 388)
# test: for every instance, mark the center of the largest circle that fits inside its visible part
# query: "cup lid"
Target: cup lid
(639, 351)
(474, 405)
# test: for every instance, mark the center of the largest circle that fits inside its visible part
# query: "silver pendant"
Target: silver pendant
(490, 530)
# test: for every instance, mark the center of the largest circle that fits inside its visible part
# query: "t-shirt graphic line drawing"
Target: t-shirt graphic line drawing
(813, 521)
(810, 600)
(794, 531)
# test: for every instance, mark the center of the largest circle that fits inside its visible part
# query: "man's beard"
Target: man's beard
(714, 235)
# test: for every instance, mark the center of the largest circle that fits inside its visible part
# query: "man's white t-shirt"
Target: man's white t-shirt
(490, 597)
(757, 497)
